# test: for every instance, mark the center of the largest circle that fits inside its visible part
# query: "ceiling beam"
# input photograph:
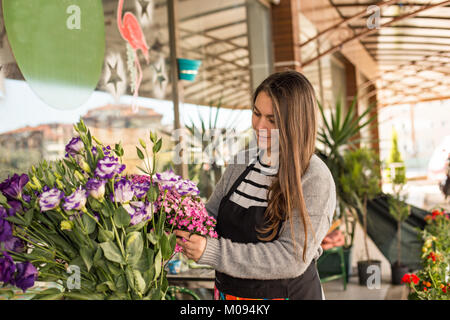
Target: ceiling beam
(370, 31)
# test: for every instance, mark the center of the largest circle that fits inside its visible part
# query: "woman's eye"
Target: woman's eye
(272, 121)
(256, 113)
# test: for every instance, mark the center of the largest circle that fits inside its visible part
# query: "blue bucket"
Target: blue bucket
(187, 68)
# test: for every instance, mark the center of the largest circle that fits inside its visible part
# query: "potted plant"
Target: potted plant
(360, 182)
(336, 135)
(397, 206)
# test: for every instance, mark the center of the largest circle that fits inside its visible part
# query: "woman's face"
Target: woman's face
(263, 120)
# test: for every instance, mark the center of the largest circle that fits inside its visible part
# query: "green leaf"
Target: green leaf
(146, 261)
(143, 170)
(130, 277)
(152, 194)
(137, 227)
(95, 204)
(140, 153)
(106, 212)
(139, 281)
(89, 223)
(115, 270)
(16, 220)
(172, 241)
(2, 198)
(134, 247)
(152, 237)
(87, 254)
(105, 235)
(98, 261)
(122, 217)
(166, 248)
(121, 283)
(55, 296)
(112, 252)
(83, 295)
(157, 146)
(105, 286)
(158, 264)
(29, 216)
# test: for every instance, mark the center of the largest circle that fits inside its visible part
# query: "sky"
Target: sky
(20, 107)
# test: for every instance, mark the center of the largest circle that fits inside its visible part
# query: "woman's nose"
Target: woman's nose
(262, 124)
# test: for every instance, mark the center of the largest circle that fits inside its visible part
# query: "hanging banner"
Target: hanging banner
(59, 46)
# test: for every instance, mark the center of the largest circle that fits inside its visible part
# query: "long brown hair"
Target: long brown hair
(295, 112)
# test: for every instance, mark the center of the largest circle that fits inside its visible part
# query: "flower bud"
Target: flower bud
(36, 183)
(97, 141)
(79, 175)
(67, 225)
(142, 142)
(83, 165)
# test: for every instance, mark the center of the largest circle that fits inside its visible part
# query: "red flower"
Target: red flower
(432, 256)
(410, 277)
(436, 213)
(444, 289)
(425, 289)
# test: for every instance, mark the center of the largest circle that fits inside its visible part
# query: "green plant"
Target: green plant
(400, 211)
(360, 182)
(397, 206)
(432, 282)
(210, 139)
(339, 133)
(395, 166)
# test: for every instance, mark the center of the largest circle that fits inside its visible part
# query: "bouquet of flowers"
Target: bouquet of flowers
(183, 207)
(82, 223)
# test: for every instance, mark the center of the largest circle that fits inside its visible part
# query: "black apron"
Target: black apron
(239, 225)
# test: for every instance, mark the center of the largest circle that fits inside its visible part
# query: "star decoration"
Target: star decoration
(159, 78)
(157, 46)
(144, 7)
(114, 77)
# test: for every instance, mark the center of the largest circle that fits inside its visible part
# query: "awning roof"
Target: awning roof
(412, 52)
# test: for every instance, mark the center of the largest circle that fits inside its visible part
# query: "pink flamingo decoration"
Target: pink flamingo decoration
(131, 31)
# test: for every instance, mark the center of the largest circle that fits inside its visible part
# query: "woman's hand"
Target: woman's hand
(193, 245)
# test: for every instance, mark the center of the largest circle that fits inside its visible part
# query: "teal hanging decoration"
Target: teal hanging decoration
(188, 69)
(59, 46)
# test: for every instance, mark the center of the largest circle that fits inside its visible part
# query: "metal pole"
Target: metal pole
(177, 86)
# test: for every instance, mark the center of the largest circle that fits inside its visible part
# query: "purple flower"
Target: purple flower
(166, 179)
(16, 206)
(12, 187)
(185, 187)
(7, 268)
(50, 199)
(26, 275)
(123, 191)
(75, 146)
(96, 188)
(14, 244)
(76, 201)
(5, 226)
(108, 167)
(139, 211)
(141, 188)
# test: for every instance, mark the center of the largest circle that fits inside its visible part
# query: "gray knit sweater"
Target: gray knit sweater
(277, 259)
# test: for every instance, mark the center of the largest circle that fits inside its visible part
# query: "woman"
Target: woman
(274, 209)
